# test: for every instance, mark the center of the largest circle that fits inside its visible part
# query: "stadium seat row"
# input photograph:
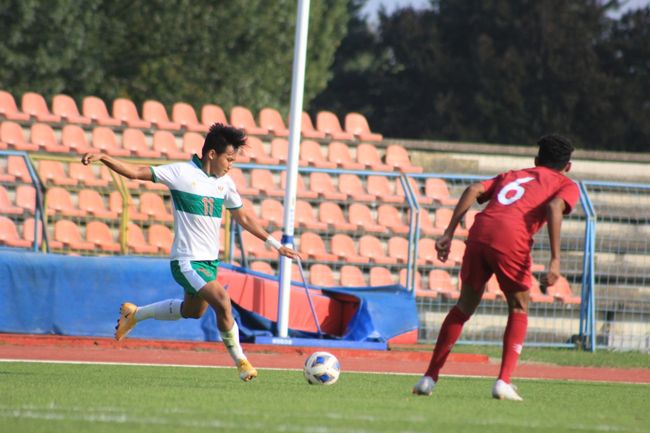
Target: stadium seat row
(154, 115)
(134, 143)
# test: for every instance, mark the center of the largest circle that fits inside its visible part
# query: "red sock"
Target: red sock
(449, 333)
(513, 341)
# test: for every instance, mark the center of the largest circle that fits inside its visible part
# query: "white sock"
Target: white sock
(231, 341)
(169, 309)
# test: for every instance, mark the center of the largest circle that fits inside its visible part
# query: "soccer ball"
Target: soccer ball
(322, 368)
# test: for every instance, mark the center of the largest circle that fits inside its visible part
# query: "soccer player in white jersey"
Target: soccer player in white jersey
(199, 189)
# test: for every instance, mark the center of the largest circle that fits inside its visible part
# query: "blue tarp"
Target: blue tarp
(67, 295)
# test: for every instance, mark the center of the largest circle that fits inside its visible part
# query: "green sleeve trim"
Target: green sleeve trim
(153, 175)
(235, 208)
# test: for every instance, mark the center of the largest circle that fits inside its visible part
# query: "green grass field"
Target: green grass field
(39, 397)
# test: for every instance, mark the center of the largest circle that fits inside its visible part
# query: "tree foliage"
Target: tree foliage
(503, 71)
(236, 52)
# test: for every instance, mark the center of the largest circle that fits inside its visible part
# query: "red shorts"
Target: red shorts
(481, 261)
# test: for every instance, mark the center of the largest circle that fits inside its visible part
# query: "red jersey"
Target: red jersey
(517, 208)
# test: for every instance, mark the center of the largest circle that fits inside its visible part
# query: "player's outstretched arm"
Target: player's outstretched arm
(245, 219)
(554, 214)
(139, 172)
(469, 196)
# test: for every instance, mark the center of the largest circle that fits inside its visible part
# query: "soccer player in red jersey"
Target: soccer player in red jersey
(499, 242)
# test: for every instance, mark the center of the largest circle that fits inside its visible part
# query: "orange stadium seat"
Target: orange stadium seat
(54, 172)
(351, 276)
(310, 152)
(66, 107)
(381, 187)
(321, 183)
(361, 216)
(95, 109)
(440, 282)
(415, 186)
(427, 226)
(469, 218)
(313, 247)
(184, 114)
(193, 143)
(26, 198)
(9, 234)
(262, 267)
(343, 247)
(211, 114)
(443, 218)
(418, 279)
(561, 291)
(152, 205)
(254, 246)
(6, 204)
(135, 142)
(380, 276)
(437, 189)
(242, 184)
(155, 112)
(301, 189)
(16, 167)
(280, 150)
(356, 124)
(241, 117)
(305, 218)
(536, 294)
(59, 201)
(398, 158)
(126, 112)
(456, 252)
(104, 140)
(161, 237)
(74, 138)
(492, 290)
(107, 175)
(264, 181)
(398, 248)
(368, 155)
(100, 235)
(92, 203)
(254, 149)
(136, 242)
(371, 247)
(307, 129)
(339, 154)
(332, 215)
(11, 133)
(85, 174)
(8, 108)
(43, 136)
(389, 216)
(115, 204)
(273, 211)
(35, 105)
(69, 235)
(327, 122)
(3, 145)
(427, 253)
(28, 234)
(165, 143)
(322, 275)
(271, 120)
(352, 185)
(254, 209)
(5, 177)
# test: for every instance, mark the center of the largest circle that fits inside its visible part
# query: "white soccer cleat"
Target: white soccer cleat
(505, 391)
(424, 386)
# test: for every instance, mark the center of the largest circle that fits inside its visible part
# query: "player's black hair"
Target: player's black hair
(220, 136)
(554, 151)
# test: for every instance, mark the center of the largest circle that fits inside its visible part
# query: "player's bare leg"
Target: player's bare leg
(513, 340)
(215, 295)
(449, 332)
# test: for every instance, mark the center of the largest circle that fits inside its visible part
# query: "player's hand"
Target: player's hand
(553, 273)
(288, 252)
(443, 245)
(89, 158)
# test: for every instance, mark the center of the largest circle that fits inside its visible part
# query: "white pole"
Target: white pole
(295, 117)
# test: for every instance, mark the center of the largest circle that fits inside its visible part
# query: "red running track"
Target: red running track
(134, 351)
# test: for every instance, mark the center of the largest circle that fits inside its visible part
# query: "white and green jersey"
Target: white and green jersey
(198, 207)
